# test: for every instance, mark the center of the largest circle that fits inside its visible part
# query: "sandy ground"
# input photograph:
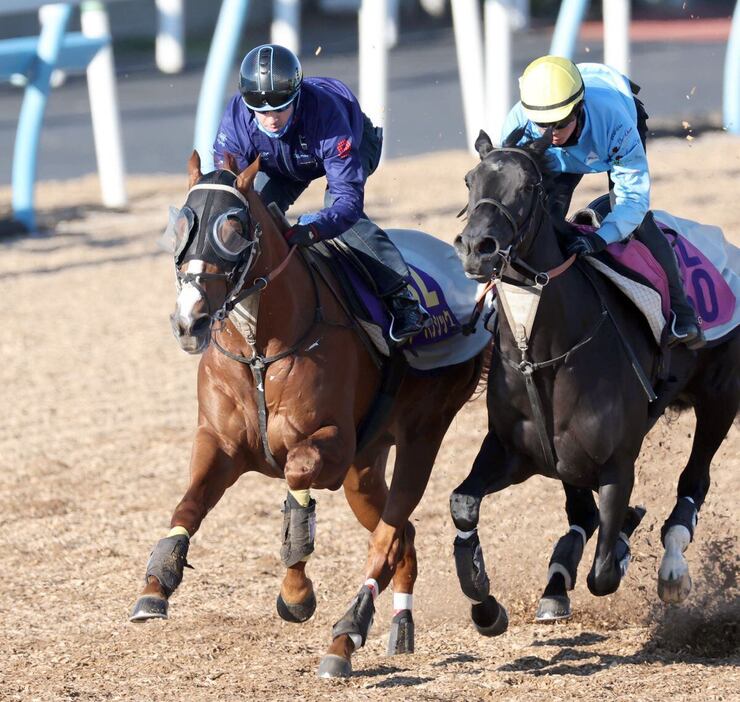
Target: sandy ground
(98, 416)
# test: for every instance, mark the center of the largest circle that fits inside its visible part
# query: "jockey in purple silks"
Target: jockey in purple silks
(303, 129)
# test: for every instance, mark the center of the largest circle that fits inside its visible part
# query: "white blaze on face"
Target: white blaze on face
(189, 294)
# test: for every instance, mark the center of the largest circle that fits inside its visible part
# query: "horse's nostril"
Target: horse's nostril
(488, 247)
(200, 325)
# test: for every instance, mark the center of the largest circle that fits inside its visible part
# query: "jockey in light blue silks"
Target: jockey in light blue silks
(598, 125)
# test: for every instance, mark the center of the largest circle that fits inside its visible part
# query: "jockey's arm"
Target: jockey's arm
(346, 185)
(631, 177)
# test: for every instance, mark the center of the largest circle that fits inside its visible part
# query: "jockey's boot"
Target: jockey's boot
(684, 325)
(408, 317)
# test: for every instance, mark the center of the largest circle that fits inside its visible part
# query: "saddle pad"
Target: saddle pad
(709, 267)
(449, 297)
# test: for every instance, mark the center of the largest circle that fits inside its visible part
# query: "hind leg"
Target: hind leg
(714, 417)
(583, 518)
(212, 471)
(391, 554)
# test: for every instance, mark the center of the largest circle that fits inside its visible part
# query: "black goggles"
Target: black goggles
(563, 123)
(268, 102)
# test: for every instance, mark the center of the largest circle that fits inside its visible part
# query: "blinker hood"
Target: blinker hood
(208, 204)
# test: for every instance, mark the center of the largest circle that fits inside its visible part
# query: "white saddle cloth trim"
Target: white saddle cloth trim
(725, 257)
(440, 261)
(647, 300)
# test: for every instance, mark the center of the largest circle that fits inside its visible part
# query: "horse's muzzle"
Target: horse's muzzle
(477, 257)
(193, 336)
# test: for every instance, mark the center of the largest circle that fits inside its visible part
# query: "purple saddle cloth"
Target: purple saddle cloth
(706, 289)
(425, 288)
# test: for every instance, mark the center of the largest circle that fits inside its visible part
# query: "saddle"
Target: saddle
(709, 267)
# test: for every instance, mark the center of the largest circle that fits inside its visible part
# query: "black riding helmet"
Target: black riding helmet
(270, 78)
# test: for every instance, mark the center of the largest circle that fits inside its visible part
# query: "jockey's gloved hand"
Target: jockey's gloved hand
(585, 244)
(302, 235)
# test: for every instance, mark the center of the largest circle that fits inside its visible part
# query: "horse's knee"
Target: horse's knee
(302, 466)
(465, 511)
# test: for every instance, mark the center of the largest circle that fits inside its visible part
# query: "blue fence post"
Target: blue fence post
(220, 62)
(566, 28)
(731, 92)
(32, 113)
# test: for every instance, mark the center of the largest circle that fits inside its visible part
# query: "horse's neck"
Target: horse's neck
(568, 303)
(286, 306)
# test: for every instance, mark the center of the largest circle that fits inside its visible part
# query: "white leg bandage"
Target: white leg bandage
(402, 600)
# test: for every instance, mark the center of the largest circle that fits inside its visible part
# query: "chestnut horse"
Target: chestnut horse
(565, 399)
(248, 302)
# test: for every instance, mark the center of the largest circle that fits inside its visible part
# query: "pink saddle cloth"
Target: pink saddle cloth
(706, 289)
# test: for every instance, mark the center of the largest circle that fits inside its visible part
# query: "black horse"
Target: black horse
(570, 393)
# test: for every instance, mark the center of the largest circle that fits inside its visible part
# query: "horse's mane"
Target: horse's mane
(536, 149)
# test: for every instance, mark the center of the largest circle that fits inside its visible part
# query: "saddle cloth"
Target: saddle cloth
(709, 265)
(437, 281)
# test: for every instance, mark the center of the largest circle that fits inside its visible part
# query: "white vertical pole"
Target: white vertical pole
(286, 24)
(469, 48)
(373, 22)
(731, 95)
(169, 47)
(617, 34)
(101, 87)
(497, 32)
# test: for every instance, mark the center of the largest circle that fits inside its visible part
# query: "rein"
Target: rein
(258, 363)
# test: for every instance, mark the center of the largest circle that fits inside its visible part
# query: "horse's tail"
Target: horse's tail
(484, 359)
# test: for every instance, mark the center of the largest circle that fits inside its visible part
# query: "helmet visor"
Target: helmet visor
(267, 102)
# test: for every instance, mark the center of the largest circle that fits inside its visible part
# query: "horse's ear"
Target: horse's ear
(514, 136)
(194, 174)
(483, 144)
(245, 179)
(229, 162)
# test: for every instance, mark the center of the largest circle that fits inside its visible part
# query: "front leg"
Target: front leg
(610, 559)
(212, 471)
(320, 457)
(490, 473)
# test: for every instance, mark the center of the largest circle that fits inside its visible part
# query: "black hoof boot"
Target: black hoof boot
(148, 607)
(296, 613)
(490, 618)
(402, 633)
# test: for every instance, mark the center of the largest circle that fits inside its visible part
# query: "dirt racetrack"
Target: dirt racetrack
(98, 407)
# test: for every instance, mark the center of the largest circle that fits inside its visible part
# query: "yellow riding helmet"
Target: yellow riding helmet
(550, 87)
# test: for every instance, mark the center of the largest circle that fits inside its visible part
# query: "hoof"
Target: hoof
(402, 633)
(674, 591)
(296, 613)
(552, 609)
(489, 617)
(149, 608)
(332, 666)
